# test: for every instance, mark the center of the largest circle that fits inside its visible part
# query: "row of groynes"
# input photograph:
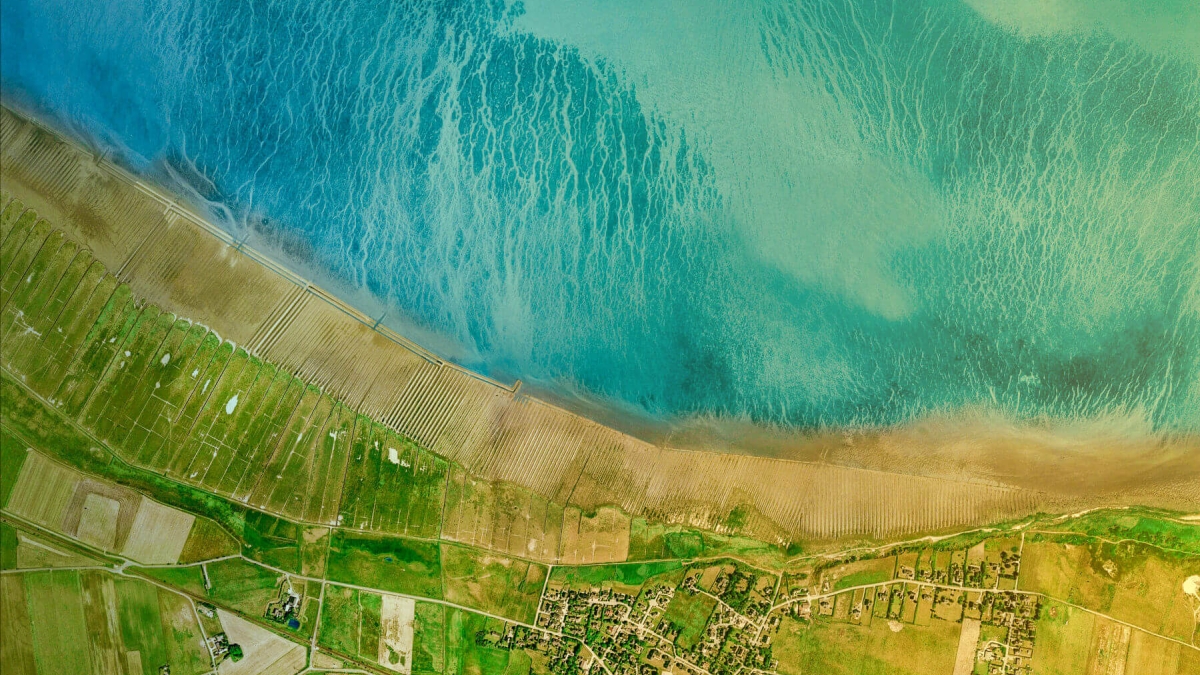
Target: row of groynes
(280, 344)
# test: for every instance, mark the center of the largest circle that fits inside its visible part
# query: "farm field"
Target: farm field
(841, 648)
(95, 622)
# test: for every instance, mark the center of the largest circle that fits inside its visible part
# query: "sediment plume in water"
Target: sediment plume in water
(825, 214)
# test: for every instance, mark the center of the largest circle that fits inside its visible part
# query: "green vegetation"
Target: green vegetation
(1143, 525)
(56, 615)
(12, 456)
(8, 547)
(407, 566)
(1064, 636)
(627, 575)
(688, 613)
(391, 484)
(340, 621)
(491, 583)
(845, 649)
(139, 614)
(429, 645)
(654, 541)
(242, 585)
(190, 579)
(862, 578)
(206, 541)
(464, 654)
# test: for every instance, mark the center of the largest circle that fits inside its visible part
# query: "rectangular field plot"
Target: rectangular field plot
(159, 534)
(833, 647)
(491, 583)
(93, 622)
(174, 372)
(243, 585)
(37, 318)
(27, 316)
(19, 257)
(260, 439)
(265, 653)
(33, 552)
(443, 639)
(165, 386)
(351, 623)
(16, 632)
(47, 365)
(43, 491)
(1133, 583)
(391, 485)
(60, 633)
(214, 428)
(101, 344)
(502, 517)
(600, 536)
(1149, 655)
(310, 448)
(168, 446)
(407, 566)
(106, 516)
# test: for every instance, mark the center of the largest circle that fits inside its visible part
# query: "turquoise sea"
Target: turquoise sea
(814, 213)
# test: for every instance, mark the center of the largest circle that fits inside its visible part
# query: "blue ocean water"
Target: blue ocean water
(812, 212)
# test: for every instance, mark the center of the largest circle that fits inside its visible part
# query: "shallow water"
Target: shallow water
(811, 213)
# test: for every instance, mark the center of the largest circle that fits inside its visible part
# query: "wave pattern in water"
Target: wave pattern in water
(813, 213)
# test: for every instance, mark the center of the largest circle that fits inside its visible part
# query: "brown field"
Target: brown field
(1110, 648)
(43, 490)
(33, 552)
(98, 522)
(159, 534)
(1049, 568)
(600, 537)
(502, 517)
(964, 661)
(938, 474)
(126, 503)
(207, 541)
(1150, 655)
(265, 652)
(100, 605)
(396, 633)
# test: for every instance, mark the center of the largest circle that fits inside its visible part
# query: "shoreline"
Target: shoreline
(570, 450)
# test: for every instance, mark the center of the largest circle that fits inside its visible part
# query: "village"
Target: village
(721, 619)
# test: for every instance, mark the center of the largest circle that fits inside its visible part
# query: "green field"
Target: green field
(1142, 525)
(189, 579)
(689, 613)
(627, 576)
(495, 584)
(71, 622)
(1064, 636)
(844, 649)
(12, 456)
(650, 540)
(406, 566)
(8, 547)
(242, 585)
